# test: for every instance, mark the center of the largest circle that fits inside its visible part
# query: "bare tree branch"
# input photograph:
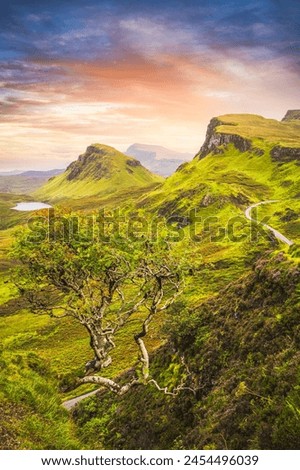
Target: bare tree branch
(102, 289)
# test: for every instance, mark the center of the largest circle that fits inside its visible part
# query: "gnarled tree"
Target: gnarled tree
(102, 286)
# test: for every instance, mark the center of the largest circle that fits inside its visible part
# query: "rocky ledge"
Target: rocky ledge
(285, 154)
(214, 141)
(292, 115)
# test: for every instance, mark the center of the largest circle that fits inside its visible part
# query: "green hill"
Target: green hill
(236, 323)
(232, 335)
(101, 171)
(242, 359)
(244, 159)
(257, 129)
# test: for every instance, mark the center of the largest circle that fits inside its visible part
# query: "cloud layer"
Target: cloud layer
(72, 73)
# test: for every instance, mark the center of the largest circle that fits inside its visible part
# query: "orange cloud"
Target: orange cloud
(162, 99)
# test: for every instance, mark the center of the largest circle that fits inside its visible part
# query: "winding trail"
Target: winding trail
(69, 404)
(277, 234)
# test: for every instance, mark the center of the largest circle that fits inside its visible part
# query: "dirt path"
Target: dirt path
(69, 404)
(277, 234)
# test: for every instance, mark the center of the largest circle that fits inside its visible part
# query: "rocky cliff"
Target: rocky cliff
(214, 140)
(256, 134)
(292, 115)
(285, 154)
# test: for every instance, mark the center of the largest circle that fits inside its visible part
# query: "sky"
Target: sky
(119, 72)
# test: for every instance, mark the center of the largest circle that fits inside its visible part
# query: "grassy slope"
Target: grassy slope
(259, 128)
(284, 215)
(30, 413)
(8, 217)
(242, 353)
(233, 172)
(219, 185)
(118, 176)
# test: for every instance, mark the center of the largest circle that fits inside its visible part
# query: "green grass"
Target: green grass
(284, 215)
(259, 128)
(31, 416)
(102, 171)
(219, 187)
(8, 217)
(123, 198)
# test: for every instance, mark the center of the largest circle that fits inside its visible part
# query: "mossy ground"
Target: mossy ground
(236, 357)
(260, 129)
(241, 351)
(8, 217)
(284, 215)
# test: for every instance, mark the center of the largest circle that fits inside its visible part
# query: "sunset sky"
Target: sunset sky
(118, 72)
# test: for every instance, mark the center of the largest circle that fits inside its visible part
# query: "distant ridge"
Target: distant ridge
(24, 182)
(10, 173)
(292, 115)
(42, 174)
(158, 159)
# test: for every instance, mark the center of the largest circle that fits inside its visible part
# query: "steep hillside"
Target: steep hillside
(100, 171)
(244, 159)
(232, 335)
(291, 115)
(30, 413)
(157, 159)
(241, 353)
(254, 133)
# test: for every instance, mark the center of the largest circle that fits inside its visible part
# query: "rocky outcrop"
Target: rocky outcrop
(285, 154)
(292, 115)
(207, 200)
(76, 170)
(215, 141)
(133, 163)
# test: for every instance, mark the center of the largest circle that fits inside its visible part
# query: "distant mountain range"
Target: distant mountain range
(229, 344)
(25, 182)
(33, 173)
(42, 174)
(157, 159)
(10, 173)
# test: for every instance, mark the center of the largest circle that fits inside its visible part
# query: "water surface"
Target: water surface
(31, 206)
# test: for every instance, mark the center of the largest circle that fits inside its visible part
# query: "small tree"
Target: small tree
(101, 286)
